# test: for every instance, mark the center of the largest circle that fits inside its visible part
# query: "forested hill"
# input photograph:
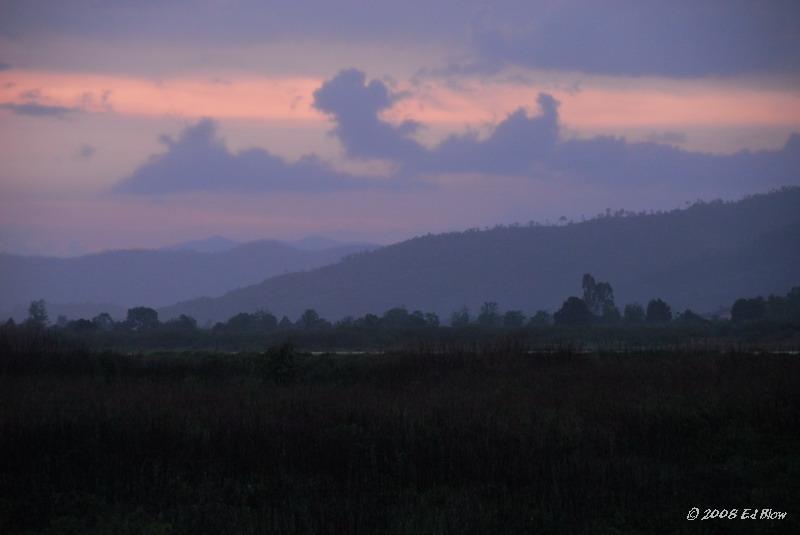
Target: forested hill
(120, 279)
(703, 257)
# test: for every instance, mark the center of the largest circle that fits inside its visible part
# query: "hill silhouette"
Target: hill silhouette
(113, 280)
(704, 257)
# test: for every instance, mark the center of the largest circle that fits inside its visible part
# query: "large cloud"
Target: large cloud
(239, 21)
(524, 145)
(355, 104)
(199, 161)
(514, 147)
(630, 37)
(614, 161)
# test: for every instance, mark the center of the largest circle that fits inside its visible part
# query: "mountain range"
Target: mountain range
(702, 257)
(112, 281)
(218, 244)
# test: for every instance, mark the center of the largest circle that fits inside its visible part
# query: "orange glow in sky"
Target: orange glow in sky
(263, 98)
(242, 98)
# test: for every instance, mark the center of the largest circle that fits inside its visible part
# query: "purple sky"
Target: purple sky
(144, 123)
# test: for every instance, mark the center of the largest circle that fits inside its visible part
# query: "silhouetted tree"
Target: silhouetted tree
(417, 319)
(183, 323)
(658, 311)
(588, 283)
(749, 309)
(777, 307)
(598, 296)
(488, 316)
(774, 308)
(460, 318)
(264, 321)
(239, 322)
(369, 321)
(82, 326)
(573, 312)
(513, 319)
(634, 313)
(285, 323)
(610, 313)
(103, 321)
(688, 316)
(260, 321)
(141, 318)
(396, 318)
(542, 318)
(431, 319)
(345, 322)
(37, 314)
(793, 303)
(310, 320)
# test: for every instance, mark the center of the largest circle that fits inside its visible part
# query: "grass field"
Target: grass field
(478, 441)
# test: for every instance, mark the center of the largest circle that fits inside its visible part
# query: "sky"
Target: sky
(131, 124)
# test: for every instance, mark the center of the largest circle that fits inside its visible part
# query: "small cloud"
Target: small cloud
(4, 66)
(33, 109)
(90, 101)
(31, 95)
(85, 152)
(32, 106)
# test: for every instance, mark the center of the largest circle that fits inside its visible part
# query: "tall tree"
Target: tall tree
(634, 313)
(513, 319)
(658, 311)
(310, 319)
(573, 312)
(489, 316)
(599, 297)
(460, 318)
(749, 309)
(103, 321)
(141, 318)
(37, 314)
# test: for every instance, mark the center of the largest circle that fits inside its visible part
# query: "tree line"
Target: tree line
(594, 308)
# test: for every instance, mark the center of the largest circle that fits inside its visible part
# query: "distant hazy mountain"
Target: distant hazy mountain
(121, 279)
(319, 243)
(217, 244)
(701, 257)
(214, 244)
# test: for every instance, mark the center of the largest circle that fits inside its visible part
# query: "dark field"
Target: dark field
(466, 441)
